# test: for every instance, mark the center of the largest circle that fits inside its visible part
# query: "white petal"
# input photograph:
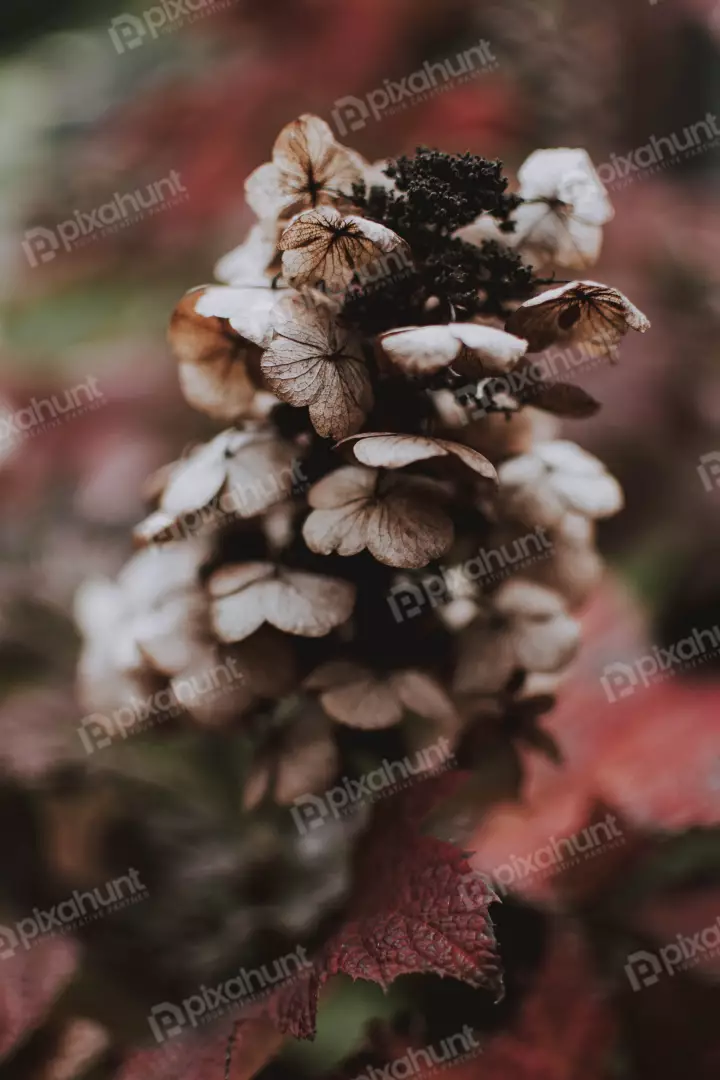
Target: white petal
(247, 309)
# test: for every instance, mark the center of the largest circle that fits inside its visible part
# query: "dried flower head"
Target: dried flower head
(368, 346)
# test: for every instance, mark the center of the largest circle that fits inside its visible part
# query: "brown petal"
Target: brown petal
(343, 530)
(407, 532)
(390, 451)
(581, 312)
(310, 605)
(368, 704)
(306, 763)
(400, 525)
(564, 399)
(313, 362)
(215, 363)
(341, 487)
(422, 694)
(335, 673)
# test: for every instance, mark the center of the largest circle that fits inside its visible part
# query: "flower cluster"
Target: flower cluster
(347, 344)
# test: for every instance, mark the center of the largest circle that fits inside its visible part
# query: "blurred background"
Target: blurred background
(168, 108)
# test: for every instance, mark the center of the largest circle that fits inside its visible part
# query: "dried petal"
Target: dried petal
(423, 350)
(322, 245)
(555, 479)
(314, 362)
(217, 367)
(522, 627)
(580, 313)
(309, 169)
(249, 594)
(385, 450)
(396, 522)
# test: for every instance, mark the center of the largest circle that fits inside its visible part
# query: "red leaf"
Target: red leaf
(203, 1055)
(411, 912)
(31, 979)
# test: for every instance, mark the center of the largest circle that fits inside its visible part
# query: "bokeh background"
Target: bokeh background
(89, 114)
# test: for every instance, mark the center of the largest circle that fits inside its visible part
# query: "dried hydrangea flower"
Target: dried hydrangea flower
(309, 168)
(152, 621)
(313, 361)
(522, 627)
(565, 206)
(425, 350)
(219, 370)
(559, 221)
(412, 353)
(325, 246)
(305, 762)
(579, 313)
(243, 472)
(355, 696)
(247, 595)
(553, 480)
(397, 518)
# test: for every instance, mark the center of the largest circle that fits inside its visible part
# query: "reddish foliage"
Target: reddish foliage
(411, 912)
(32, 978)
(202, 1056)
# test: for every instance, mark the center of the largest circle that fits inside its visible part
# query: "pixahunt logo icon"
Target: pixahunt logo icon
(660, 152)
(168, 1020)
(408, 599)
(97, 731)
(620, 680)
(645, 968)
(311, 811)
(560, 853)
(42, 245)
(45, 413)
(75, 911)
(426, 1060)
(352, 113)
(130, 31)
